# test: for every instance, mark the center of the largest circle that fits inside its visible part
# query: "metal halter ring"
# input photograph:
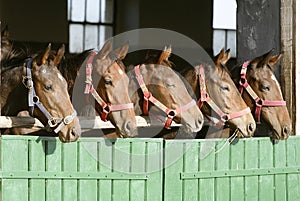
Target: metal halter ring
(35, 99)
(172, 113)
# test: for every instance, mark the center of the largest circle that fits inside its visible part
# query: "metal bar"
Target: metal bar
(239, 173)
(71, 175)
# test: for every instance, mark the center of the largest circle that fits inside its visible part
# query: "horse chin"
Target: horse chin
(123, 134)
(190, 129)
(275, 137)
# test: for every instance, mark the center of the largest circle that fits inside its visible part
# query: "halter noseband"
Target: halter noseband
(33, 100)
(89, 88)
(259, 102)
(204, 97)
(148, 97)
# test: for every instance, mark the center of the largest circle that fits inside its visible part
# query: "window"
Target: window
(224, 26)
(91, 22)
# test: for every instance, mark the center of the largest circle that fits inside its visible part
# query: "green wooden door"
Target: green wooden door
(37, 169)
(252, 169)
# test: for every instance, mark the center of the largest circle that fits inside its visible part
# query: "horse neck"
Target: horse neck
(13, 93)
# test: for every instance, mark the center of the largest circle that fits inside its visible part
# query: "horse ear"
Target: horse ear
(274, 60)
(266, 58)
(165, 54)
(226, 57)
(122, 51)
(59, 55)
(105, 50)
(45, 56)
(5, 32)
(219, 57)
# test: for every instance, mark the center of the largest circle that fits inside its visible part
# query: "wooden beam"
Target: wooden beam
(287, 32)
(85, 122)
(22, 122)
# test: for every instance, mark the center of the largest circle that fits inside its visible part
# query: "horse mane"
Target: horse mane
(71, 64)
(15, 58)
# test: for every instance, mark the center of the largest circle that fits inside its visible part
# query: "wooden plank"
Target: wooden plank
(26, 122)
(14, 155)
(266, 183)
(121, 163)
(251, 162)
(85, 122)
(53, 163)
(173, 167)
(88, 162)
(288, 63)
(237, 162)
(190, 164)
(69, 164)
(37, 162)
(280, 162)
(222, 191)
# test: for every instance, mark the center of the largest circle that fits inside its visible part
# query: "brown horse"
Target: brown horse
(158, 87)
(35, 84)
(262, 93)
(104, 71)
(219, 99)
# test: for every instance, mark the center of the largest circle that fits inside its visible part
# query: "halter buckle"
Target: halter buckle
(52, 122)
(27, 82)
(68, 119)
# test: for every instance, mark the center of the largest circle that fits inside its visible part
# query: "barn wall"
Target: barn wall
(47, 22)
(193, 19)
(258, 25)
(36, 21)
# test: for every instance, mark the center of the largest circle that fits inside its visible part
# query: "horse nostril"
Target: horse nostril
(129, 128)
(200, 120)
(251, 128)
(73, 134)
(286, 130)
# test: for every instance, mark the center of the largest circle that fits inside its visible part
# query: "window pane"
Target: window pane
(231, 42)
(105, 33)
(91, 37)
(224, 14)
(218, 41)
(76, 38)
(92, 11)
(77, 11)
(107, 11)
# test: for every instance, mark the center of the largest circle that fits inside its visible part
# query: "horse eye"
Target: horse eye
(265, 88)
(169, 85)
(48, 87)
(225, 88)
(107, 81)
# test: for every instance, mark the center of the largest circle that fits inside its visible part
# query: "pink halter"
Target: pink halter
(148, 97)
(106, 109)
(259, 103)
(204, 97)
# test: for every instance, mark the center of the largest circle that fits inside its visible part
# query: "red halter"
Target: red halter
(148, 97)
(204, 97)
(259, 103)
(89, 88)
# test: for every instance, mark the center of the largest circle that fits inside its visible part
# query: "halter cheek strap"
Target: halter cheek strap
(33, 100)
(205, 98)
(259, 102)
(89, 89)
(148, 97)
